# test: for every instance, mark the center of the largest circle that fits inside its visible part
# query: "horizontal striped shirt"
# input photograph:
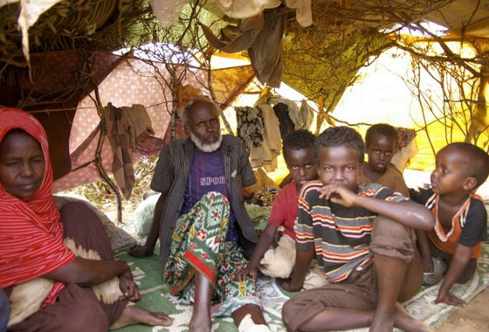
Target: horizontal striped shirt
(340, 236)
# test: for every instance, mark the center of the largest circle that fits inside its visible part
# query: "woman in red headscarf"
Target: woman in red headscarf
(50, 286)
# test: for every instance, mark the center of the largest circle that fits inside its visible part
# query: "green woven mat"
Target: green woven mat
(157, 298)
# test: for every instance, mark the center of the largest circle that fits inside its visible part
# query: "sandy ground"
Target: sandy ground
(473, 317)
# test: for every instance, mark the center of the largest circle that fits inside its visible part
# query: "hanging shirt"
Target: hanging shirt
(206, 175)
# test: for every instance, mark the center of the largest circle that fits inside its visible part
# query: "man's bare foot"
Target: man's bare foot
(140, 251)
(134, 315)
(200, 323)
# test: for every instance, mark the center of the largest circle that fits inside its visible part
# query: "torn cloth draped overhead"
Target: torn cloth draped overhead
(261, 36)
(242, 9)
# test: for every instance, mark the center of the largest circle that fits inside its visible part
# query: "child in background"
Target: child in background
(301, 159)
(348, 226)
(381, 143)
(460, 216)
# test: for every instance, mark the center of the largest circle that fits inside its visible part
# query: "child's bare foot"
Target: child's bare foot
(200, 323)
(134, 315)
(197, 327)
(407, 323)
(382, 323)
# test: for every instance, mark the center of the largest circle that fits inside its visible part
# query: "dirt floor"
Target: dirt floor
(473, 317)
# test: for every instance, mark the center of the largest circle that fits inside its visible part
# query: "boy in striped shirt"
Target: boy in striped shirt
(357, 232)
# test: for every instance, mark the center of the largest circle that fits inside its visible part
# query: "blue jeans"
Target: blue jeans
(4, 311)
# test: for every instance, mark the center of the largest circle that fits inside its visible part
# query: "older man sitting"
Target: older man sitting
(204, 229)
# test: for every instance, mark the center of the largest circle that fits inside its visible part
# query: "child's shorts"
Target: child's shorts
(392, 239)
(358, 292)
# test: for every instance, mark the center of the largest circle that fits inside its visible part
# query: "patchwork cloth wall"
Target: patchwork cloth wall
(136, 81)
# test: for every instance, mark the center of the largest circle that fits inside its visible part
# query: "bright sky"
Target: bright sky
(380, 95)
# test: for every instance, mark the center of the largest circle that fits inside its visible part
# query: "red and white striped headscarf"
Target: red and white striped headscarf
(31, 234)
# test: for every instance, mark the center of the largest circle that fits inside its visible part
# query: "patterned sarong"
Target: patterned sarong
(198, 245)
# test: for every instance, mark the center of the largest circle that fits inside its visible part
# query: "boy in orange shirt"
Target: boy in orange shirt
(460, 215)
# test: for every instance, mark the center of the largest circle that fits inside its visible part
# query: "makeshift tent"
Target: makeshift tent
(316, 47)
(320, 61)
(55, 53)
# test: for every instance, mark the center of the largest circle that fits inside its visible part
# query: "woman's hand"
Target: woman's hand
(129, 287)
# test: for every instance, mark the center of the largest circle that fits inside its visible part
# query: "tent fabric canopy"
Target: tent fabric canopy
(320, 61)
(340, 41)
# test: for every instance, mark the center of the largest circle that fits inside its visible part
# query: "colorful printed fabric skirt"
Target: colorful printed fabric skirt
(199, 246)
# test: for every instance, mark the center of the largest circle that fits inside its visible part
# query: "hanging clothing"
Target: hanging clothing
(245, 8)
(292, 105)
(303, 11)
(248, 8)
(272, 128)
(401, 158)
(262, 37)
(293, 109)
(267, 153)
(303, 119)
(123, 127)
(286, 125)
(251, 129)
(266, 52)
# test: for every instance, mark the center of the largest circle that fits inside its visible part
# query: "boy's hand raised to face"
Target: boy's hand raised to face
(339, 194)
